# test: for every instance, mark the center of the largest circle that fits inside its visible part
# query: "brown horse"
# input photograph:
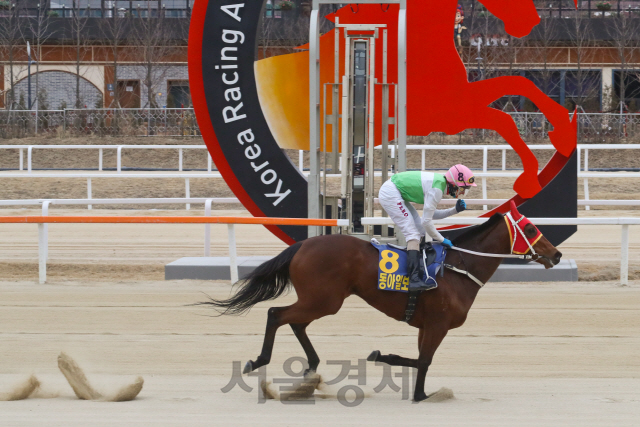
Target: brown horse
(325, 270)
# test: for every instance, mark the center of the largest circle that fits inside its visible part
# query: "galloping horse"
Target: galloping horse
(440, 96)
(325, 270)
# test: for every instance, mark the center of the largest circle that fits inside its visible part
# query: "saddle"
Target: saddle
(392, 265)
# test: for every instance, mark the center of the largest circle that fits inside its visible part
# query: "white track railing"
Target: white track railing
(44, 220)
(623, 222)
(583, 165)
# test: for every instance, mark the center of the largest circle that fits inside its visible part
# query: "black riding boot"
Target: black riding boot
(415, 269)
(416, 285)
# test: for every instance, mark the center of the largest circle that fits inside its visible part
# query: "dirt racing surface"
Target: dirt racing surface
(534, 354)
(530, 354)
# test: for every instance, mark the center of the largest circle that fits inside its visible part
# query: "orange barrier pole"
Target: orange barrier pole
(164, 220)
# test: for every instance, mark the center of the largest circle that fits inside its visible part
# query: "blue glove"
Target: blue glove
(460, 205)
(447, 243)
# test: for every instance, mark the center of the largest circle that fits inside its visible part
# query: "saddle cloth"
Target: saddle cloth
(392, 265)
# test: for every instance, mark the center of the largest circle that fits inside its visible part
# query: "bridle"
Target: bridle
(513, 236)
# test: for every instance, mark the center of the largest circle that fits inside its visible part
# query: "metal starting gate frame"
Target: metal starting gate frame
(315, 201)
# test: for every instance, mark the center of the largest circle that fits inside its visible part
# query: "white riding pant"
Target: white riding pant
(402, 213)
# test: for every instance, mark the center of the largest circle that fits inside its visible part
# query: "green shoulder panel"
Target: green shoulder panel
(440, 182)
(410, 185)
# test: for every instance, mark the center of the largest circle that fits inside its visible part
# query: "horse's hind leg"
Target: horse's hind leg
(296, 314)
(273, 323)
(300, 331)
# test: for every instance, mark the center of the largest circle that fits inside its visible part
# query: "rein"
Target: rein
(511, 222)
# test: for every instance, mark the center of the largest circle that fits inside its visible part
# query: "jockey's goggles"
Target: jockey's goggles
(459, 192)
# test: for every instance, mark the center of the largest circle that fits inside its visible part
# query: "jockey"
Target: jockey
(425, 188)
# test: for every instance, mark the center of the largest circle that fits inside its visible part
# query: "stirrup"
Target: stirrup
(411, 304)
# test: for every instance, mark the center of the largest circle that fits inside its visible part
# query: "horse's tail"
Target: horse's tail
(267, 282)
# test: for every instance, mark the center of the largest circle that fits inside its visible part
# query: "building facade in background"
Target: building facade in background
(89, 54)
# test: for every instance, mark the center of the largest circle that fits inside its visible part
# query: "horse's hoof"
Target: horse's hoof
(248, 367)
(374, 356)
(527, 185)
(419, 397)
(308, 372)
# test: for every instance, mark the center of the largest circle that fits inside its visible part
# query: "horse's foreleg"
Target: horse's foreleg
(392, 359)
(300, 331)
(527, 184)
(273, 323)
(564, 134)
(428, 343)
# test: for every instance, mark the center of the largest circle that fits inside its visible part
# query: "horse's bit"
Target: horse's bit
(512, 222)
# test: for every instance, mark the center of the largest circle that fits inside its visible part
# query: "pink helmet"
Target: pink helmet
(460, 176)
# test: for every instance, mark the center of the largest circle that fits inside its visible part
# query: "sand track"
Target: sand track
(529, 354)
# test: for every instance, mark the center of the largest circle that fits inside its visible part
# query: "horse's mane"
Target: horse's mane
(478, 229)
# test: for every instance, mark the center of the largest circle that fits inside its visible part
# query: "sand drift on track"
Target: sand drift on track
(78, 382)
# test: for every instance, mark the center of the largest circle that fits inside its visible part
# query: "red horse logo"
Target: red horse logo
(440, 97)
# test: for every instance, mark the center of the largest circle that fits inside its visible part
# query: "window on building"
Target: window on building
(178, 95)
(631, 89)
(583, 90)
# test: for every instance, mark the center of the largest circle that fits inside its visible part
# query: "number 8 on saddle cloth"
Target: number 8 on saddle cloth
(392, 265)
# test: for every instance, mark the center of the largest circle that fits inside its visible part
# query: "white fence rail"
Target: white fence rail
(583, 164)
(623, 222)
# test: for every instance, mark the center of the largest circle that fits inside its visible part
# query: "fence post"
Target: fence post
(119, 158)
(586, 180)
(579, 159)
(100, 159)
(209, 161)
(301, 160)
(624, 256)
(89, 192)
(484, 179)
(233, 260)
(29, 150)
(207, 228)
(187, 192)
(504, 160)
(180, 159)
(423, 158)
(43, 244)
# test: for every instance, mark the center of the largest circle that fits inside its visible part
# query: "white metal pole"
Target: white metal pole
(209, 161)
(43, 244)
(21, 159)
(187, 192)
(29, 150)
(207, 229)
(89, 192)
(579, 160)
(233, 259)
(119, 158)
(100, 159)
(624, 256)
(586, 180)
(423, 160)
(401, 122)
(301, 160)
(484, 180)
(313, 189)
(180, 159)
(504, 160)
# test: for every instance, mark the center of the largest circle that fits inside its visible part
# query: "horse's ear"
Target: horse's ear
(514, 211)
